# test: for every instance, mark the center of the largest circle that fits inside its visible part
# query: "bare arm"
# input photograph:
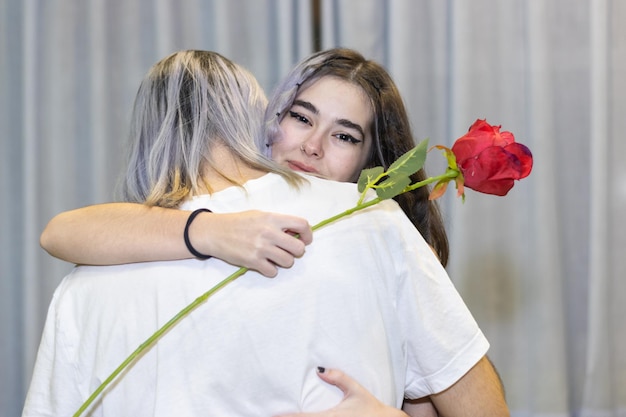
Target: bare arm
(478, 393)
(119, 233)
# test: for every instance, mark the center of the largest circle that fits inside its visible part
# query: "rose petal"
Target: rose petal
(499, 188)
(492, 171)
(501, 164)
(525, 157)
(480, 136)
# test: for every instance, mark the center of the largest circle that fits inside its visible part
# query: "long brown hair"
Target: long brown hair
(391, 128)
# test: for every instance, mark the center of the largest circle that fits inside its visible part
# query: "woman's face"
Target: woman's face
(326, 132)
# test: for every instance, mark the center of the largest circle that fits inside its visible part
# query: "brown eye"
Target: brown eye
(299, 117)
(348, 138)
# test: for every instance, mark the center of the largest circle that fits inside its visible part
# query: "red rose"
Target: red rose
(491, 160)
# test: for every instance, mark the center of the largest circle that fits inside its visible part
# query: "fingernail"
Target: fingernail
(321, 369)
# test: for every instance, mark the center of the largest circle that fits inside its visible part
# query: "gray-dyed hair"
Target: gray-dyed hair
(187, 102)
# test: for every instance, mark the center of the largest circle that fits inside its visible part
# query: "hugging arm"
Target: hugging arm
(118, 233)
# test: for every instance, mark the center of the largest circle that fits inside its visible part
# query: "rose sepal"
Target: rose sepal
(454, 174)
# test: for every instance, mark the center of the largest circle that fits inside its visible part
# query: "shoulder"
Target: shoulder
(336, 190)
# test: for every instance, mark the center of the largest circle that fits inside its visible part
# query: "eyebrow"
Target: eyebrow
(307, 105)
(343, 122)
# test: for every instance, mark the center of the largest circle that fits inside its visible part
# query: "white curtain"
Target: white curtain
(542, 269)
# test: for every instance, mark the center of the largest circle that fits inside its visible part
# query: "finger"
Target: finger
(294, 247)
(267, 269)
(339, 379)
(281, 258)
(262, 265)
(299, 227)
(305, 234)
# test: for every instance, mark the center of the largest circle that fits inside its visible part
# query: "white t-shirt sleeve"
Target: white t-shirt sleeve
(443, 341)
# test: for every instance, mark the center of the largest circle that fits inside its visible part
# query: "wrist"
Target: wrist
(186, 234)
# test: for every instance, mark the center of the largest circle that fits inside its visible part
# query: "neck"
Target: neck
(231, 167)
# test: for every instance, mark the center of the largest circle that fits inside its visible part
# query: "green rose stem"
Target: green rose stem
(447, 176)
(156, 335)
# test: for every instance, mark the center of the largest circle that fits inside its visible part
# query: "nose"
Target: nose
(312, 147)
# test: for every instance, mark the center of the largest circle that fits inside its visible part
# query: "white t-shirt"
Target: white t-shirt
(368, 297)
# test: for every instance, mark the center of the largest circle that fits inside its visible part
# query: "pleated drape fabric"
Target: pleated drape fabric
(542, 269)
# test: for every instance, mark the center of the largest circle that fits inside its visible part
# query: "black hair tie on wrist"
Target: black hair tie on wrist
(191, 249)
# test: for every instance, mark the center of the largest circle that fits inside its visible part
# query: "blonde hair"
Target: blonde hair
(187, 102)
